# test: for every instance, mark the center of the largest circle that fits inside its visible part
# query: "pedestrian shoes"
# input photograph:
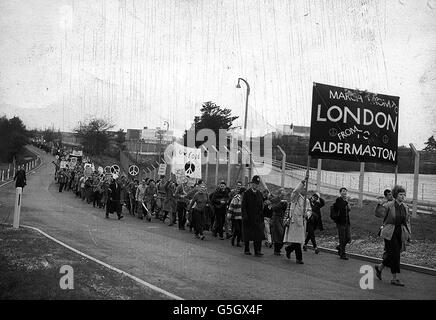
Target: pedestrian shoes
(397, 282)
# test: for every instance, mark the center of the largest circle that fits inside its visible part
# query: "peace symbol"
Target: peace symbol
(133, 170)
(333, 132)
(115, 169)
(189, 168)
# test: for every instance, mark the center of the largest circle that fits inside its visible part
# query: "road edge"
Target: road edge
(138, 280)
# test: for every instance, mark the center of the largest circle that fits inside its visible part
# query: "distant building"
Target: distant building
(292, 130)
(133, 134)
(71, 139)
(157, 134)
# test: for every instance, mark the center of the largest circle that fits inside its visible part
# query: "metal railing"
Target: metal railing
(9, 174)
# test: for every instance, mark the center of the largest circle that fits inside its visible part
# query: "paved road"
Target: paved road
(193, 269)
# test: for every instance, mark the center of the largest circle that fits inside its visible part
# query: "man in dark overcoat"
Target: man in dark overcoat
(252, 217)
(20, 177)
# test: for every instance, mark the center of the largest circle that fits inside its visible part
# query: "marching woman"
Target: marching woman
(395, 232)
(198, 204)
(295, 223)
(180, 195)
(235, 216)
(169, 204)
(314, 221)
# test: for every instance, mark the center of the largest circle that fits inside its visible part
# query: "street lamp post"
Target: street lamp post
(245, 123)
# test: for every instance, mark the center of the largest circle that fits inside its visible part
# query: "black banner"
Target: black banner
(353, 125)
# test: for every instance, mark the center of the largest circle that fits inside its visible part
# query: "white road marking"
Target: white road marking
(149, 285)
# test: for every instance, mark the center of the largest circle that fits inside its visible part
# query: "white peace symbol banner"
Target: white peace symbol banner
(186, 161)
(115, 169)
(133, 170)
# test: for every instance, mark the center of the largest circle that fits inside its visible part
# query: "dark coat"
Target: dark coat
(316, 218)
(278, 209)
(114, 198)
(20, 176)
(252, 216)
(220, 196)
(344, 211)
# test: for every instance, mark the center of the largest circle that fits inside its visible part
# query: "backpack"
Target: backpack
(334, 213)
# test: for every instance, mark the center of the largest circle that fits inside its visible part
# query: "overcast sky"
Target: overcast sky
(140, 63)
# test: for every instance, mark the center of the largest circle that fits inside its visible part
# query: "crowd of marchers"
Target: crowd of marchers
(243, 214)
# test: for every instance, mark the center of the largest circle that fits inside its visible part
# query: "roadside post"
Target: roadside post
(17, 209)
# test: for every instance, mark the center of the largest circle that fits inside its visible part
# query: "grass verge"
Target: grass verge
(30, 269)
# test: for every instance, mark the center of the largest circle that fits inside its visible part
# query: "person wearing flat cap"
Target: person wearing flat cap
(252, 218)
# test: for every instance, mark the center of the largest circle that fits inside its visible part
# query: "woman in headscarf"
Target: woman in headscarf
(198, 204)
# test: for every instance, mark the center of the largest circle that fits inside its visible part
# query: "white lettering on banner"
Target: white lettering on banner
(353, 149)
(336, 114)
(348, 95)
(355, 96)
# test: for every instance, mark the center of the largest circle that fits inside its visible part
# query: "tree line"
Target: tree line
(14, 137)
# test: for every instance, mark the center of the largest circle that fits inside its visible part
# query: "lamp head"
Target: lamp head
(238, 85)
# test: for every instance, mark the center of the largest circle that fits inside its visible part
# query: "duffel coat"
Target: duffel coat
(295, 232)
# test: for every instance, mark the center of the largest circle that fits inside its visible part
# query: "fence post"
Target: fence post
(216, 165)
(3, 175)
(415, 180)
(318, 175)
(282, 180)
(207, 164)
(228, 166)
(154, 172)
(422, 191)
(361, 177)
